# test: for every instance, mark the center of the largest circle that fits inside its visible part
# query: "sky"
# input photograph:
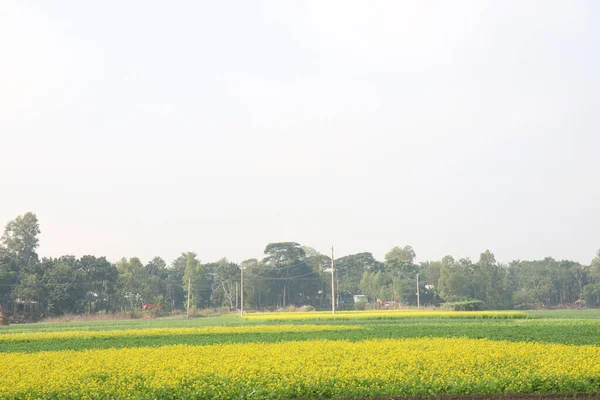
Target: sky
(149, 128)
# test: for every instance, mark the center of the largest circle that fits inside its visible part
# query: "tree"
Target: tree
(256, 289)
(29, 288)
(455, 279)
(431, 270)
(591, 291)
(8, 276)
(154, 287)
(401, 272)
(404, 255)
(579, 273)
(130, 282)
(350, 270)
(490, 282)
(285, 260)
(101, 279)
(534, 282)
(20, 239)
(175, 293)
(320, 285)
(376, 285)
(226, 278)
(63, 292)
(196, 278)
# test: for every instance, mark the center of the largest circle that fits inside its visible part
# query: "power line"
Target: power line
(289, 266)
(280, 279)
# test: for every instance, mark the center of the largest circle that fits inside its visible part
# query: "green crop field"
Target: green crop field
(305, 355)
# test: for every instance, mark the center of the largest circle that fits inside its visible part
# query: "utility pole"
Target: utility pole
(236, 296)
(418, 299)
(242, 292)
(189, 294)
(332, 283)
(337, 282)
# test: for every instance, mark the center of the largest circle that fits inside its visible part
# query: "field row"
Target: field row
(384, 314)
(579, 332)
(304, 369)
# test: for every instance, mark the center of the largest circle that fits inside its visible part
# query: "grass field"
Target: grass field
(305, 355)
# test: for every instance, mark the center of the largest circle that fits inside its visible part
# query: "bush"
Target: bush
(468, 305)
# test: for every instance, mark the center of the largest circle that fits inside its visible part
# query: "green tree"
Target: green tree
(376, 285)
(401, 272)
(8, 276)
(350, 270)
(175, 293)
(404, 255)
(455, 279)
(489, 281)
(591, 291)
(20, 240)
(63, 289)
(226, 278)
(130, 282)
(534, 284)
(154, 288)
(431, 271)
(286, 266)
(256, 289)
(195, 278)
(100, 277)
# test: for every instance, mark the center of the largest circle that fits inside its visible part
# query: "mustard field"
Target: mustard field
(232, 357)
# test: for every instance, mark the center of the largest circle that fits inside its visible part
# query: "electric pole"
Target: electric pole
(337, 290)
(189, 294)
(332, 283)
(418, 299)
(242, 292)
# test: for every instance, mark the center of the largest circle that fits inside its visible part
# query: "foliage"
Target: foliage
(317, 368)
(20, 241)
(288, 275)
(468, 305)
(350, 270)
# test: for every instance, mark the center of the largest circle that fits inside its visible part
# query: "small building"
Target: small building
(19, 311)
(360, 298)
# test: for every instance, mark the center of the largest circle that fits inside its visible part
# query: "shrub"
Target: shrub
(467, 305)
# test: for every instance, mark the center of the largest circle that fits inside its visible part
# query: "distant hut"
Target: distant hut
(3, 314)
(20, 311)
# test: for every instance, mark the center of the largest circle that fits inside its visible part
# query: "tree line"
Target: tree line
(288, 275)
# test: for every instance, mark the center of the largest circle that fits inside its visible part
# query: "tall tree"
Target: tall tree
(350, 270)
(20, 239)
(226, 279)
(64, 291)
(154, 289)
(196, 278)
(591, 291)
(404, 254)
(130, 282)
(287, 268)
(534, 282)
(402, 271)
(101, 279)
(455, 279)
(8, 276)
(489, 281)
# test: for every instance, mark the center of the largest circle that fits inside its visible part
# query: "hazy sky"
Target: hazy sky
(143, 128)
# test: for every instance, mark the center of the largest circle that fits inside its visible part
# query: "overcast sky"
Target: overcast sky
(143, 128)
